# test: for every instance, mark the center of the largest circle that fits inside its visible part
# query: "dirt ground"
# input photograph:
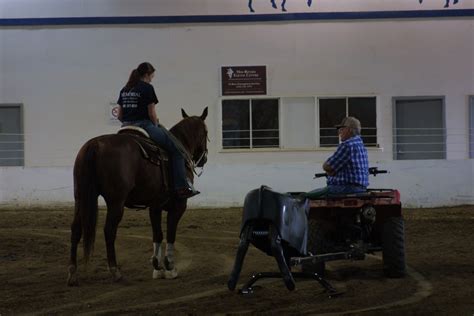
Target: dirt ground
(34, 250)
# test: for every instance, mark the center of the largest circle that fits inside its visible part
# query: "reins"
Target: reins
(187, 156)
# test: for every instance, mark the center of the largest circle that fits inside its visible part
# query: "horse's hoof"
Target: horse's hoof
(158, 274)
(72, 276)
(116, 275)
(72, 280)
(231, 284)
(171, 274)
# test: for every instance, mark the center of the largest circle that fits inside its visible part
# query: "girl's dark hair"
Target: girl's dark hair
(142, 70)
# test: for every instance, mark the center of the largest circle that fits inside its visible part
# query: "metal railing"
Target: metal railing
(416, 140)
(12, 149)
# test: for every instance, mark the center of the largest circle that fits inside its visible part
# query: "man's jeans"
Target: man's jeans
(334, 190)
(160, 136)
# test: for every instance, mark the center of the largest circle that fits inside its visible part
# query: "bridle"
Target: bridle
(202, 156)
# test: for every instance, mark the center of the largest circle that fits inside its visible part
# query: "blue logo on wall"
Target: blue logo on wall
(309, 2)
(283, 2)
(447, 2)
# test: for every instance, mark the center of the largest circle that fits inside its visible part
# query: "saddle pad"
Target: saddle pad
(134, 128)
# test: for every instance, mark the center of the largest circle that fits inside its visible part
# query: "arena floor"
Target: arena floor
(34, 251)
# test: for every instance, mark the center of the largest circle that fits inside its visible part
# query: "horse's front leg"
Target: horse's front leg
(310, 2)
(155, 219)
(174, 215)
(283, 6)
(273, 4)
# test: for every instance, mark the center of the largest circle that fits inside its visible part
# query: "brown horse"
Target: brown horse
(113, 166)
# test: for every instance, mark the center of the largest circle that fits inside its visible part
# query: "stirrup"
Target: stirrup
(186, 193)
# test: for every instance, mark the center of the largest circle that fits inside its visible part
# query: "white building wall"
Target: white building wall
(66, 77)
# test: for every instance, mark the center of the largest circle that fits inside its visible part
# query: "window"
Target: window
(250, 123)
(333, 110)
(11, 135)
(419, 131)
(471, 127)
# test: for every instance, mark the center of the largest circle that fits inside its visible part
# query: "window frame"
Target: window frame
(250, 148)
(394, 123)
(22, 129)
(282, 123)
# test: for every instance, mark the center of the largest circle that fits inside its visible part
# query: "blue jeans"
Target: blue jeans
(332, 189)
(157, 133)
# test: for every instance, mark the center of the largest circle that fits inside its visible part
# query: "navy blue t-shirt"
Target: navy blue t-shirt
(134, 102)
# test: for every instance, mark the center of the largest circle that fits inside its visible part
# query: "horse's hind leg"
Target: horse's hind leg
(174, 215)
(274, 6)
(310, 2)
(76, 234)
(155, 218)
(114, 216)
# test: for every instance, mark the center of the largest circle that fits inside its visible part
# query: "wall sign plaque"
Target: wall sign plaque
(244, 80)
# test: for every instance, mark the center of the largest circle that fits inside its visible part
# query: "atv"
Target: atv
(309, 232)
(351, 225)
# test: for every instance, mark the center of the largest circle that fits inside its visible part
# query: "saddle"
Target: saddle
(149, 150)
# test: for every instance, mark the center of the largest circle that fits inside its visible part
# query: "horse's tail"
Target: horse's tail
(86, 193)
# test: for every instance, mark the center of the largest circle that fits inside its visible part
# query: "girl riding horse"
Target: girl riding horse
(113, 166)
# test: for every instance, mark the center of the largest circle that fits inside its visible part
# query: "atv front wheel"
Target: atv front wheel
(393, 252)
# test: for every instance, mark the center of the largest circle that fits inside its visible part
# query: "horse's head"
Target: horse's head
(192, 131)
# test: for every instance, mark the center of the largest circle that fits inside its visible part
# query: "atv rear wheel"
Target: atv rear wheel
(393, 252)
(316, 245)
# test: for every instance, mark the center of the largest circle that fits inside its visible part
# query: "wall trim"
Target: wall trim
(373, 15)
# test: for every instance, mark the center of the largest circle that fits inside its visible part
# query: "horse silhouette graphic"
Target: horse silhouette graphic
(447, 3)
(274, 5)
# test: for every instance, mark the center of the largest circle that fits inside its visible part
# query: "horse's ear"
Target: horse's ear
(183, 113)
(204, 114)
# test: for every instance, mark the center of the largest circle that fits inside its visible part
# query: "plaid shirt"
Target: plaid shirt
(350, 162)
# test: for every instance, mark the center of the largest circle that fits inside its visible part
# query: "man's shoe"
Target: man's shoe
(186, 193)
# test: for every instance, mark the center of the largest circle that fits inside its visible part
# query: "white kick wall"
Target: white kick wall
(66, 76)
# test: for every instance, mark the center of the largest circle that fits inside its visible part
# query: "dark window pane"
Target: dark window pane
(364, 109)
(471, 127)
(331, 112)
(419, 132)
(235, 124)
(11, 136)
(265, 131)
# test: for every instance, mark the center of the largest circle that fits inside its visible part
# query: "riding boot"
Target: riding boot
(188, 191)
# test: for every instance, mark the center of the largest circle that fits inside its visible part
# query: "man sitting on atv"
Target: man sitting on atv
(348, 167)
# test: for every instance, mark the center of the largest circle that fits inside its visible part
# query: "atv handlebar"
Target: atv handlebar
(372, 170)
(375, 171)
